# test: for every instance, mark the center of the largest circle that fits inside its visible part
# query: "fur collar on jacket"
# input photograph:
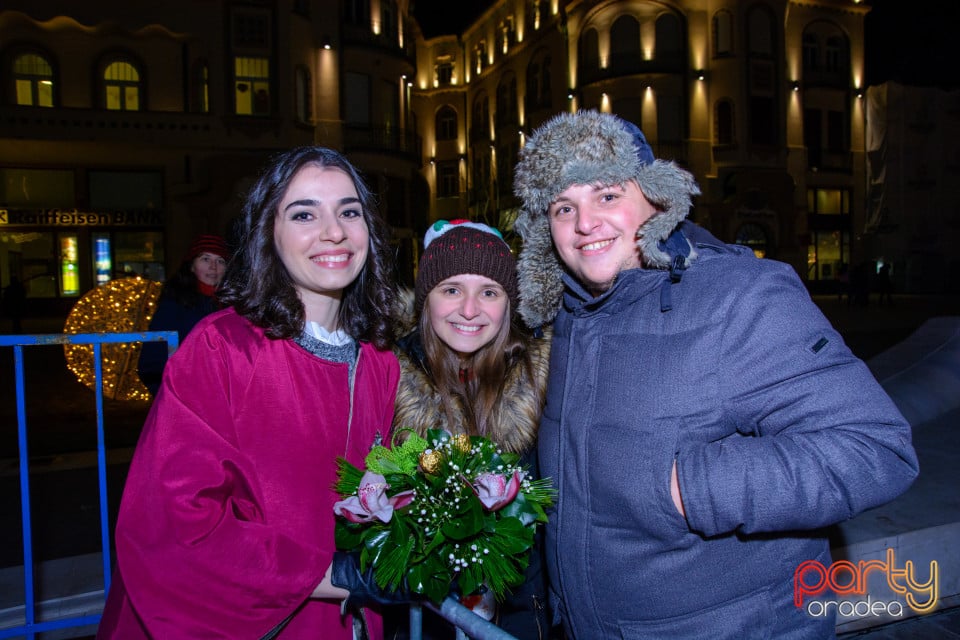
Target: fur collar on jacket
(516, 416)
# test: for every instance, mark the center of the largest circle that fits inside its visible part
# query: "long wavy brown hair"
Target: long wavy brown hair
(478, 380)
(258, 285)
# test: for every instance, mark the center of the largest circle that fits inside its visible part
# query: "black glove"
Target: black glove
(363, 588)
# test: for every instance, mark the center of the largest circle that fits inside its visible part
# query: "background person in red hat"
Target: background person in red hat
(187, 296)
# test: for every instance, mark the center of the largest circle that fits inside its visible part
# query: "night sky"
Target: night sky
(909, 41)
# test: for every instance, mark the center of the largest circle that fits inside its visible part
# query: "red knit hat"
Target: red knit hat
(208, 243)
(461, 246)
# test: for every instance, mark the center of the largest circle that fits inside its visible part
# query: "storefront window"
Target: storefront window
(102, 260)
(31, 256)
(69, 272)
(139, 253)
(828, 254)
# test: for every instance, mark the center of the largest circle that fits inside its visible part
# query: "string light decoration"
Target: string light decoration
(118, 306)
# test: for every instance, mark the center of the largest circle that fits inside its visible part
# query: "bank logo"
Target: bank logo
(845, 578)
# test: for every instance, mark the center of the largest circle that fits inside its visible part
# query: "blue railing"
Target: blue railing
(461, 617)
(31, 626)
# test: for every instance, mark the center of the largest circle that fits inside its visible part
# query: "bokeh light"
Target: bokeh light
(118, 306)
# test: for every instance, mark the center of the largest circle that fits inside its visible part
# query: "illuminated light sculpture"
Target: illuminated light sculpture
(118, 306)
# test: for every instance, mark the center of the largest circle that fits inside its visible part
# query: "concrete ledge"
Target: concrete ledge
(922, 375)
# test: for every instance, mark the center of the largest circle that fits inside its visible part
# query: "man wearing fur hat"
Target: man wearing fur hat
(703, 419)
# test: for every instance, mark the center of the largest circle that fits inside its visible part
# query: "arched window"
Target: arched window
(480, 121)
(588, 53)
(33, 79)
(446, 123)
(811, 53)
(835, 54)
(507, 100)
(200, 89)
(303, 87)
(763, 72)
(669, 38)
(722, 33)
(723, 123)
(252, 86)
(538, 82)
(121, 87)
(624, 44)
(760, 30)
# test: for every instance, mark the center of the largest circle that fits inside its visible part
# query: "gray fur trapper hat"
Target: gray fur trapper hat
(588, 147)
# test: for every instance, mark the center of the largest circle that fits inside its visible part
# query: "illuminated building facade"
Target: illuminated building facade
(761, 100)
(125, 132)
(128, 128)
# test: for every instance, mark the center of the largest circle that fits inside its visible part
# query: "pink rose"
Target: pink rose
(371, 501)
(495, 491)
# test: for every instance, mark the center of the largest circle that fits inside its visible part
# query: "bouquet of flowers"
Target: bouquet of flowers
(448, 509)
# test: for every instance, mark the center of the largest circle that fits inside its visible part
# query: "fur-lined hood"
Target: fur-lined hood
(589, 147)
(420, 406)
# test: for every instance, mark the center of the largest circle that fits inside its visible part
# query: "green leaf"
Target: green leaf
(469, 522)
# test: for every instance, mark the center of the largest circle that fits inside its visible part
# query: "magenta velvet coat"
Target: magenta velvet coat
(226, 523)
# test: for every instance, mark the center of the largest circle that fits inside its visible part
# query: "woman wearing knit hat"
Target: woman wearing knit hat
(468, 366)
(186, 297)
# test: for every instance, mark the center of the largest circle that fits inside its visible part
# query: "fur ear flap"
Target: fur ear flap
(539, 271)
(670, 189)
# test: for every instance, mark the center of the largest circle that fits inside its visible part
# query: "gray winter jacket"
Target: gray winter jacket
(725, 366)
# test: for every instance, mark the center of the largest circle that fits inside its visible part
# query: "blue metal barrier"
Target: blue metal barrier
(461, 617)
(18, 342)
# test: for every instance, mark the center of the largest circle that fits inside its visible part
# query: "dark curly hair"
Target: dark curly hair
(258, 285)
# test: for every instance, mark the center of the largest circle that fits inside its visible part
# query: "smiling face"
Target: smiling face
(467, 311)
(209, 268)
(322, 238)
(594, 229)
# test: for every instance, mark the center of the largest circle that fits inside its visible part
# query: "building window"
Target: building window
(356, 12)
(304, 89)
(251, 83)
(444, 72)
(507, 100)
(834, 54)
(448, 180)
(755, 237)
(33, 78)
(811, 53)
(121, 85)
(837, 139)
(723, 124)
(828, 202)
(588, 53)
(480, 56)
(357, 98)
(480, 125)
(624, 45)
(538, 82)
(828, 255)
(722, 33)
(446, 123)
(507, 35)
(669, 39)
(251, 29)
(200, 102)
(388, 20)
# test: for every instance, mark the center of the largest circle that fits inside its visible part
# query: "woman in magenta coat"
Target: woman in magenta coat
(226, 522)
